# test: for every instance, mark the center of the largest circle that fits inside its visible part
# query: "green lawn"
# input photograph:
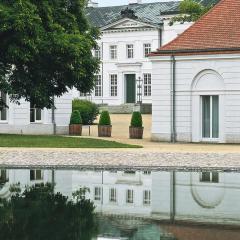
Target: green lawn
(29, 141)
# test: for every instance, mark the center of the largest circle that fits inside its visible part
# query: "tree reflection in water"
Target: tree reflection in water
(38, 213)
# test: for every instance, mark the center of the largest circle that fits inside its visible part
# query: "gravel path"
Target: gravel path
(124, 159)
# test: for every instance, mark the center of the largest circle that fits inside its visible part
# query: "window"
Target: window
(113, 195)
(98, 86)
(97, 193)
(210, 116)
(146, 197)
(147, 49)
(147, 84)
(36, 175)
(35, 114)
(113, 52)
(147, 172)
(3, 176)
(3, 110)
(129, 197)
(130, 51)
(114, 85)
(211, 177)
(130, 172)
(97, 52)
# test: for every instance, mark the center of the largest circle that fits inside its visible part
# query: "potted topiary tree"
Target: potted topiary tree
(136, 128)
(75, 126)
(104, 126)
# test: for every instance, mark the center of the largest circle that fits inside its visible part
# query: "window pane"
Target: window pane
(206, 177)
(32, 115)
(32, 175)
(38, 175)
(215, 116)
(206, 116)
(215, 177)
(38, 114)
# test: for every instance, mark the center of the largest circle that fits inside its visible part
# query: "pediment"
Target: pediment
(127, 24)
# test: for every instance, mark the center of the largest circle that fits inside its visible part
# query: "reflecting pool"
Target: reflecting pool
(116, 205)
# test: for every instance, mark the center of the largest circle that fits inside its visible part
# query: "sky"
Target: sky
(104, 3)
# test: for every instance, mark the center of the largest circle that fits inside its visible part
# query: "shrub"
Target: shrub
(89, 111)
(76, 117)
(105, 118)
(136, 120)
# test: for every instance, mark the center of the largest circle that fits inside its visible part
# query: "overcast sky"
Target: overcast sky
(103, 3)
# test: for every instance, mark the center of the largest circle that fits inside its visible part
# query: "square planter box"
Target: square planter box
(104, 130)
(136, 132)
(75, 129)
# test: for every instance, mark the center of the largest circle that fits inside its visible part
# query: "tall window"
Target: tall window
(97, 193)
(35, 114)
(97, 52)
(129, 196)
(211, 177)
(147, 84)
(210, 116)
(113, 195)
(130, 51)
(98, 86)
(113, 52)
(147, 49)
(3, 110)
(3, 176)
(36, 175)
(146, 197)
(114, 85)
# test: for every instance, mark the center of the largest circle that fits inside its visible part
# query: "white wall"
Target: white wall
(188, 116)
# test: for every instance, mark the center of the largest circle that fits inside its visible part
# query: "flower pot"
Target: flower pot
(75, 129)
(136, 132)
(104, 130)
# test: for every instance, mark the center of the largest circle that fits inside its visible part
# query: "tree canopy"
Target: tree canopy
(46, 49)
(190, 11)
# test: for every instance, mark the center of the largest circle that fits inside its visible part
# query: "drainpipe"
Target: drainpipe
(160, 37)
(53, 117)
(173, 100)
(172, 196)
(102, 72)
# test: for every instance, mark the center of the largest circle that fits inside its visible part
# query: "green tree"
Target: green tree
(190, 11)
(45, 49)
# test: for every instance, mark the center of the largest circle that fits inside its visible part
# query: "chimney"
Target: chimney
(134, 2)
(92, 3)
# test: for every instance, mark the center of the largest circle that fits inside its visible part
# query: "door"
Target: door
(130, 88)
(210, 117)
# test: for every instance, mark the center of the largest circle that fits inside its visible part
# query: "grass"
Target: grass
(30, 141)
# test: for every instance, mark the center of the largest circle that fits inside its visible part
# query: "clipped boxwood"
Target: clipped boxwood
(136, 120)
(75, 118)
(89, 111)
(105, 119)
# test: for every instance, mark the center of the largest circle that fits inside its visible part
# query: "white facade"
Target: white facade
(123, 50)
(212, 80)
(208, 197)
(22, 119)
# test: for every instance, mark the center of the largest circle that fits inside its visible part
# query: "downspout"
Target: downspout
(53, 117)
(160, 37)
(102, 72)
(173, 100)
(172, 196)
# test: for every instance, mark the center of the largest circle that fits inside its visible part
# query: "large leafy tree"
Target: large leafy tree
(45, 49)
(190, 11)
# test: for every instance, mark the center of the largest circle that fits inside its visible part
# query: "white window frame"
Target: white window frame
(35, 171)
(98, 53)
(35, 114)
(129, 196)
(112, 195)
(147, 84)
(147, 48)
(113, 52)
(97, 193)
(147, 197)
(211, 139)
(5, 120)
(98, 86)
(113, 85)
(211, 177)
(130, 51)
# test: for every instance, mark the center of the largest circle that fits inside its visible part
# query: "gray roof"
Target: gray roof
(146, 12)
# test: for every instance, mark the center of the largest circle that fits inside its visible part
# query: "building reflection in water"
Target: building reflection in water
(129, 200)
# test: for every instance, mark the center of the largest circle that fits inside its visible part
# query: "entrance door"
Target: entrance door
(130, 88)
(210, 117)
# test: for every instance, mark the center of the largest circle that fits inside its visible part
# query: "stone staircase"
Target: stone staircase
(127, 108)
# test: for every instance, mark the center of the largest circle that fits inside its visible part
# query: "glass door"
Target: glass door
(210, 117)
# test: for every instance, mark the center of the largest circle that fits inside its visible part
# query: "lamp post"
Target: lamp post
(139, 91)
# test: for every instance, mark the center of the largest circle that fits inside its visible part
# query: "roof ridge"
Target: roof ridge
(192, 26)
